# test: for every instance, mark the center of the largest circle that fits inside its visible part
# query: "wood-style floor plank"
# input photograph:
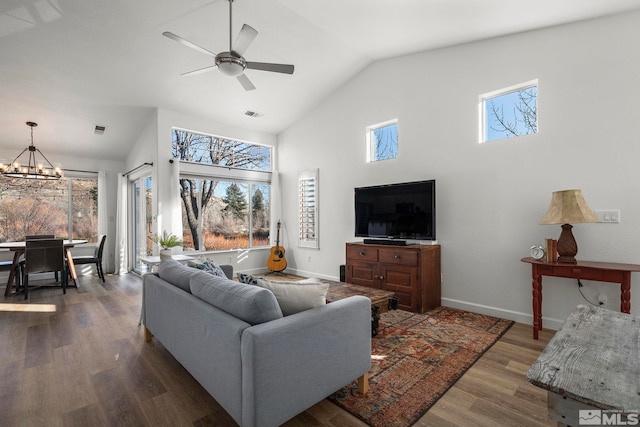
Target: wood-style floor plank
(86, 364)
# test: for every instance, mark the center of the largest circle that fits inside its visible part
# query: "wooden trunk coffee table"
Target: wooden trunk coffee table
(379, 298)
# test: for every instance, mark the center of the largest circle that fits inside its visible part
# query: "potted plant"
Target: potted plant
(166, 242)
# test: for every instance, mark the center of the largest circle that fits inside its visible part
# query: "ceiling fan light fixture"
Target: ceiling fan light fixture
(230, 65)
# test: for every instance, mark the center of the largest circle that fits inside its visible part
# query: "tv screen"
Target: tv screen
(398, 211)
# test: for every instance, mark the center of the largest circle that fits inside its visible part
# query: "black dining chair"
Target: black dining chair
(35, 237)
(39, 236)
(96, 258)
(44, 256)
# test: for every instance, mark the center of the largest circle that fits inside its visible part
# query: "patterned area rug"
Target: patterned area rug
(415, 359)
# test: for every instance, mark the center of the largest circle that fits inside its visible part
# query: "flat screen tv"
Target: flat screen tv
(397, 211)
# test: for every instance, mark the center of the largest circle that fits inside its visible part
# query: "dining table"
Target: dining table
(18, 249)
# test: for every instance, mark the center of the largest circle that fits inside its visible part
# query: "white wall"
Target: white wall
(490, 197)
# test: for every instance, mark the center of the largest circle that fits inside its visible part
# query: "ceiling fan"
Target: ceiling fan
(232, 63)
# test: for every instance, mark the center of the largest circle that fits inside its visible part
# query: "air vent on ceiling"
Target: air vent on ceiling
(253, 114)
(99, 130)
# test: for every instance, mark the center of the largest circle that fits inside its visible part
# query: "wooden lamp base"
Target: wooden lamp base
(567, 246)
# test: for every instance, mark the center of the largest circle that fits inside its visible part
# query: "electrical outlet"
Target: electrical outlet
(230, 260)
(309, 258)
(602, 300)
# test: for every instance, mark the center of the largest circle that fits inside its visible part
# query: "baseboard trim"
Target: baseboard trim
(516, 316)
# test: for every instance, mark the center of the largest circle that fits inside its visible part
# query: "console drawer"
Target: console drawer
(360, 253)
(400, 257)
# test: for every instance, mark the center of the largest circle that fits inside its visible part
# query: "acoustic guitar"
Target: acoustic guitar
(277, 262)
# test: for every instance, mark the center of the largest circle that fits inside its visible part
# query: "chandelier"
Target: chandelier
(31, 168)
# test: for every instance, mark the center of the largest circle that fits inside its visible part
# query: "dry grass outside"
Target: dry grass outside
(218, 242)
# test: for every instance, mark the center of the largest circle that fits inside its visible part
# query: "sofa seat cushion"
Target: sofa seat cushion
(294, 297)
(176, 273)
(252, 304)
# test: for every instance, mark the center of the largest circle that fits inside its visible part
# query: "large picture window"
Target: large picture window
(66, 208)
(225, 205)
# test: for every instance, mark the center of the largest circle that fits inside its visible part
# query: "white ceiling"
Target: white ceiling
(70, 65)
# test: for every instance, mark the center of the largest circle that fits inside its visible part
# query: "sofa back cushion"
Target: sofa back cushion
(252, 304)
(176, 273)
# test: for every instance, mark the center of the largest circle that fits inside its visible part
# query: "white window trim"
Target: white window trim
(370, 130)
(482, 131)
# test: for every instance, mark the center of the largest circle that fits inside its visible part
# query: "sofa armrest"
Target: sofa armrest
(290, 364)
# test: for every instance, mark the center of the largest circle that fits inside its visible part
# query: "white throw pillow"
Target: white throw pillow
(294, 297)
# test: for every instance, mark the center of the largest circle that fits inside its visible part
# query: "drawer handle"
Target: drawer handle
(362, 253)
(378, 277)
(396, 256)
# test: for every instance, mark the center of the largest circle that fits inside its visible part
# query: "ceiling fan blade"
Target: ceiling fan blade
(245, 82)
(244, 39)
(276, 68)
(200, 71)
(187, 43)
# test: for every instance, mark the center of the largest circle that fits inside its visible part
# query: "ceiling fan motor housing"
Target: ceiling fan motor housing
(230, 64)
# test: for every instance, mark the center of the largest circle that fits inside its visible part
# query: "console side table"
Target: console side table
(584, 270)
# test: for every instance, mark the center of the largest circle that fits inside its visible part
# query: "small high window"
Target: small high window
(509, 112)
(382, 141)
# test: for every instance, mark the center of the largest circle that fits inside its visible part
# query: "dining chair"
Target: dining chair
(44, 256)
(35, 237)
(96, 258)
(39, 236)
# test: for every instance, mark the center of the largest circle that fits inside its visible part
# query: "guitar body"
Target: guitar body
(277, 262)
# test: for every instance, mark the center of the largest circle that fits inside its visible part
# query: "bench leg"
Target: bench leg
(147, 335)
(363, 383)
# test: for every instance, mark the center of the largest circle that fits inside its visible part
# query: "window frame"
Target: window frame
(483, 125)
(369, 137)
(251, 177)
(250, 191)
(70, 213)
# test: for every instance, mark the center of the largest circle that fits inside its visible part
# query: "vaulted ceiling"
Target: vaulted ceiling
(70, 65)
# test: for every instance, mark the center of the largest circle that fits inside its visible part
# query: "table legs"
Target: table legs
(72, 268)
(12, 273)
(625, 293)
(536, 285)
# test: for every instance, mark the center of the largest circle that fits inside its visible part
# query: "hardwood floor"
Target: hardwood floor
(80, 360)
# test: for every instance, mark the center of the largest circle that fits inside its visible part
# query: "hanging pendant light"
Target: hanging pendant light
(31, 167)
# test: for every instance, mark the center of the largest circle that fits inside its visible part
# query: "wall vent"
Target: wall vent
(99, 130)
(253, 114)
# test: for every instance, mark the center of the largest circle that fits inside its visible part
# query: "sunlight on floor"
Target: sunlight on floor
(35, 308)
(378, 357)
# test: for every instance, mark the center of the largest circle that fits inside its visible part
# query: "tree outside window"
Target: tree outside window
(382, 141)
(30, 207)
(510, 112)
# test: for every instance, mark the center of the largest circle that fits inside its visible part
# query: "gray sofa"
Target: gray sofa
(261, 367)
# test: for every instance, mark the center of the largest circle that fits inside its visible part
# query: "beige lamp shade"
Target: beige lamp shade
(568, 207)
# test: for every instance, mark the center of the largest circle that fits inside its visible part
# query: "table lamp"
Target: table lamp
(568, 206)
